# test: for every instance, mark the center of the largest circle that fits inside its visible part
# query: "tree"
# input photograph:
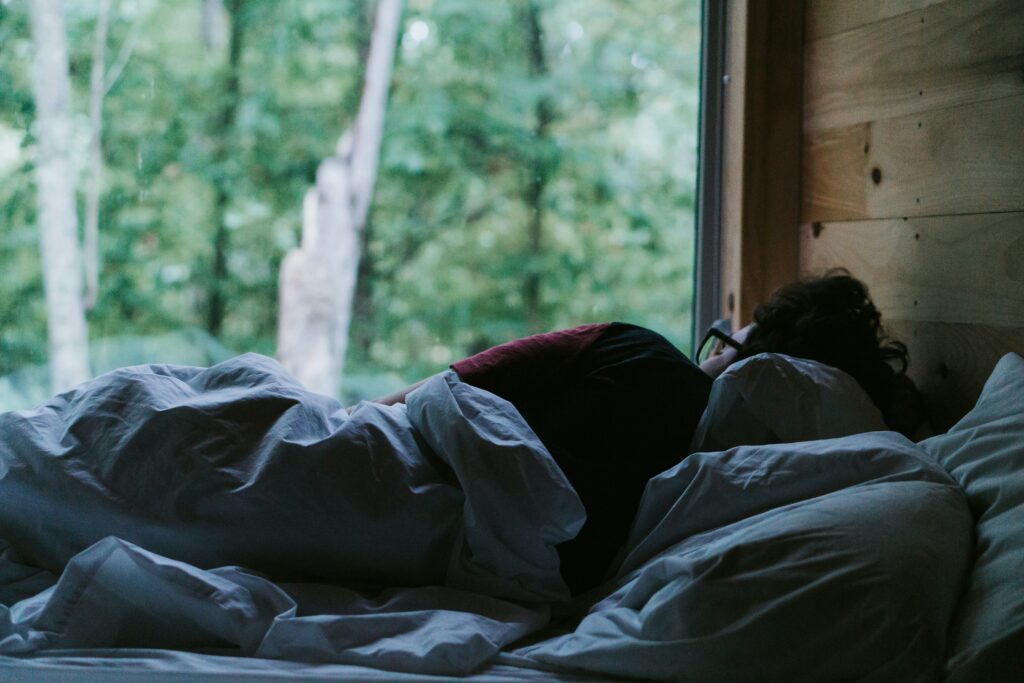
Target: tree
(318, 279)
(452, 222)
(538, 171)
(223, 128)
(97, 90)
(446, 263)
(100, 82)
(58, 225)
(212, 24)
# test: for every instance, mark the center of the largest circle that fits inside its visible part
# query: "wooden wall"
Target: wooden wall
(912, 176)
(761, 152)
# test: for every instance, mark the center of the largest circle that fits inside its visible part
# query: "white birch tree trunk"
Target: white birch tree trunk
(213, 25)
(318, 280)
(97, 90)
(58, 225)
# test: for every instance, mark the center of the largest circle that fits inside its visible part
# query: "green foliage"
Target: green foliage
(29, 385)
(448, 249)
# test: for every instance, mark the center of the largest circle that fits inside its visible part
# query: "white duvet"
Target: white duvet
(831, 560)
(228, 509)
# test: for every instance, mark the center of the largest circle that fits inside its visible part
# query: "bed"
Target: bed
(798, 541)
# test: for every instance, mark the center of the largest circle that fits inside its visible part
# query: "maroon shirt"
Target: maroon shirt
(519, 366)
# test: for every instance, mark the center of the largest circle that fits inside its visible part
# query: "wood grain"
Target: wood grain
(828, 17)
(962, 160)
(962, 269)
(761, 178)
(945, 55)
(733, 146)
(950, 362)
(913, 176)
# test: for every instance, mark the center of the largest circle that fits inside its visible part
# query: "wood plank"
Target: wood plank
(761, 179)
(963, 269)
(828, 17)
(962, 160)
(950, 362)
(733, 145)
(945, 55)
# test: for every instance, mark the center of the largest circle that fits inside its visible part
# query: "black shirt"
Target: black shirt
(615, 404)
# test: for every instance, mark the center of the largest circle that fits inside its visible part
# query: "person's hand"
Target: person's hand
(724, 355)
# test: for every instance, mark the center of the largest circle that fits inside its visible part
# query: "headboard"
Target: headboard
(912, 176)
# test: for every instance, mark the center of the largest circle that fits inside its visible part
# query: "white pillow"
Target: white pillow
(773, 398)
(985, 453)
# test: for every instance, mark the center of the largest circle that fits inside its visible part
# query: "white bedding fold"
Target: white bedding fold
(117, 594)
(143, 488)
(825, 560)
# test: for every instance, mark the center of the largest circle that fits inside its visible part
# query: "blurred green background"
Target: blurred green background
(447, 261)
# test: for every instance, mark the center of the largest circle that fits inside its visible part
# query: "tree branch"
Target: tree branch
(90, 246)
(368, 130)
(123, 55)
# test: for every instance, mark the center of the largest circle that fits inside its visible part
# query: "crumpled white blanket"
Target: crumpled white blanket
(149, 489)
(832, 560)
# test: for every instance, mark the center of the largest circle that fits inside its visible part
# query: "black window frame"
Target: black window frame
(708, 252)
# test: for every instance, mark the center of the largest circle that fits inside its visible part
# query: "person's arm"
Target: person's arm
(399, 396)
(716, 364)
(527, 364)
(392, 398)
(510, 367)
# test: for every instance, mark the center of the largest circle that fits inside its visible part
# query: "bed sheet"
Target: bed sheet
(175, 667)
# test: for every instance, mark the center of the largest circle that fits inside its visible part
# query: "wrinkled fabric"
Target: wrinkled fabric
(829, 560)
(984, 451)
(148, 489)
(775, 398)
(117, 594)
(126, 511)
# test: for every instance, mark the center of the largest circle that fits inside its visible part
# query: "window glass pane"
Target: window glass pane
(536, 171)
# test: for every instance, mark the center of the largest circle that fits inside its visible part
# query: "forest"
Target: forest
(535, 170)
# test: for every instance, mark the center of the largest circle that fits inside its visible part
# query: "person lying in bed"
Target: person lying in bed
(616, 404)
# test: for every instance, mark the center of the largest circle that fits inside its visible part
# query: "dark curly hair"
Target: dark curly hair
(831, 319)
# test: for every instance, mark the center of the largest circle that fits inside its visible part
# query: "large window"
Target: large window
(536, 171)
